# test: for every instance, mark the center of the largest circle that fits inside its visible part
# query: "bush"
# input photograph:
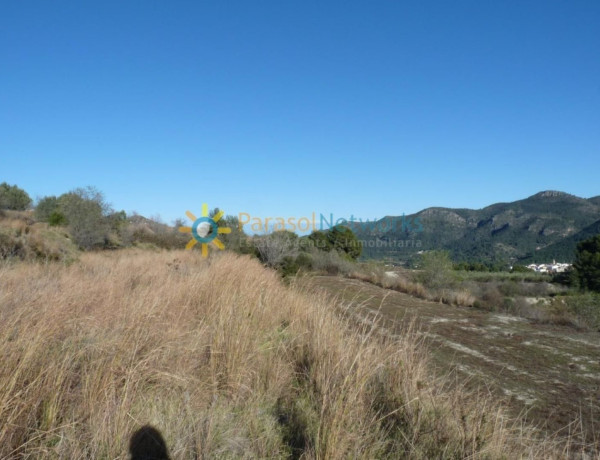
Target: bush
(13, 197)
(85, 211)
(586, 308)
(509, 288)
(304, 261)
(436, 270)
(150, 233)
(332, 262)
(289, 266)
(581, 310)
(273, 248)
(491, 297)
(10, 247)
(46, 207)
(57, 219)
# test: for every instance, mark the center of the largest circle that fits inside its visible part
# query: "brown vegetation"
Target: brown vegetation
(21, 237)
(225, 361)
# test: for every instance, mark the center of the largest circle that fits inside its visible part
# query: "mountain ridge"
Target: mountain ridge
(512, 232)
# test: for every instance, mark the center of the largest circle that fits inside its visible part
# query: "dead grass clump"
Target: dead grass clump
(460, 297)
(226, 361)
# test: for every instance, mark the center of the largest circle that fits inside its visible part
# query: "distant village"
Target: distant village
(554, 267)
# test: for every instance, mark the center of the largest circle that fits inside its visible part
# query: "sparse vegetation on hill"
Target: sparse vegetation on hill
(21, 237)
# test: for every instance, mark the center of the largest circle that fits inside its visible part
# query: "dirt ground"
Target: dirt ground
(549, 374)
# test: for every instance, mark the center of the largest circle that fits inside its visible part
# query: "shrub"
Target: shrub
(46, 207)
(10, 247)
(584, 309)
(330, 262)
(85, 210)
(56, 219)
(274, 247)
(436, 270)
(288, 266)
(491, 297)
(153, 234)
(13, 197)
(509, 288)
(304, 261)
(463, 298)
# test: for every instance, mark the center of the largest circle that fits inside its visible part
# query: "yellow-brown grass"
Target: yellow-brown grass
(377, 275)
(225, 361)
(21, 237)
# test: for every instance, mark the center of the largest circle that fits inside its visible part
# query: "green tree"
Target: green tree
(344, 241)
(338, 238)
(320, 241)
(46, 207)
(13, 197)
(587, 264)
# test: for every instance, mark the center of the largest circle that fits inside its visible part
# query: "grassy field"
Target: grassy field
(546, 374)
(225, 361)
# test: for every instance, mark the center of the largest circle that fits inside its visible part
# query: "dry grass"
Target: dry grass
(377, 275)
(225, 361)
(23, 238)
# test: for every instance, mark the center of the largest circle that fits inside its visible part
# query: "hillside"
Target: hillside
(225, 361)
(565, 248)
(511, 232)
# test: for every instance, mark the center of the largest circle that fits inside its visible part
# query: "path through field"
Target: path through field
(550, 373)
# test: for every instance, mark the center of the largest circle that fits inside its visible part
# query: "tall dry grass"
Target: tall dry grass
(377, 275)
(225, 361)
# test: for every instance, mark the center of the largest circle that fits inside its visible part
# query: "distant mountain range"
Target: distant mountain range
(540, 228)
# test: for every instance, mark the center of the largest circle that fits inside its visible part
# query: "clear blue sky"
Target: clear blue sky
(281, 108)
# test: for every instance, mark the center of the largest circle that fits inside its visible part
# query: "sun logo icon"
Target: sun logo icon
(205, 230)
